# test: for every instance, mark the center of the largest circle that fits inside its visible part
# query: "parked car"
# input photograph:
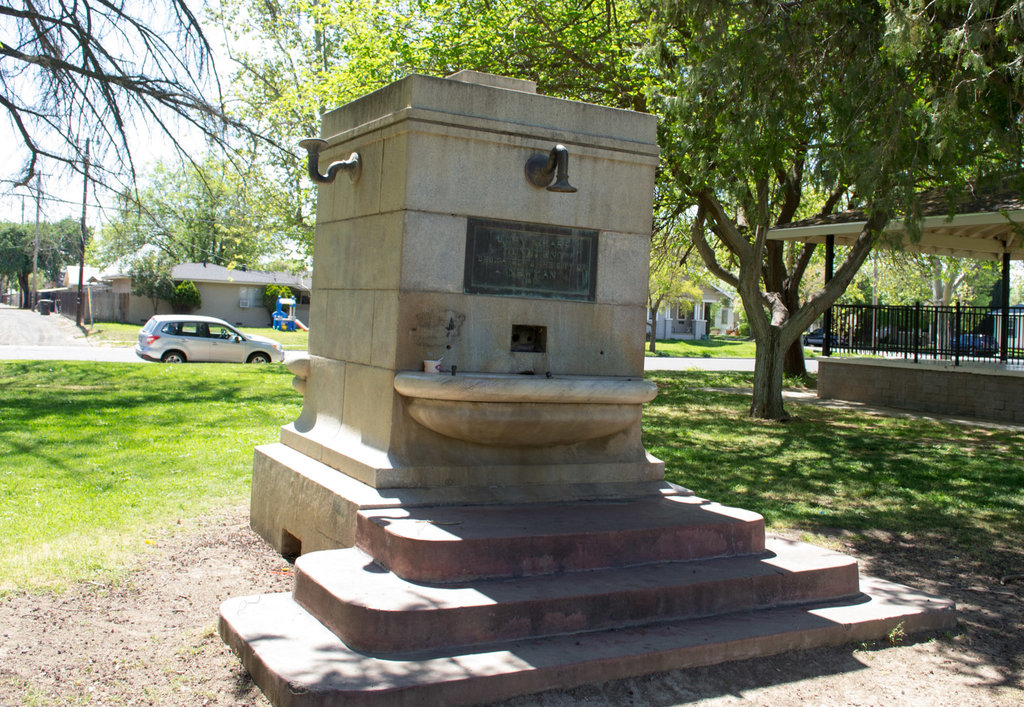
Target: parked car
(975, 345)
(176, 338)
(817, 338)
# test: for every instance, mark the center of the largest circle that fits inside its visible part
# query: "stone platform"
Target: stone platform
(470, 604)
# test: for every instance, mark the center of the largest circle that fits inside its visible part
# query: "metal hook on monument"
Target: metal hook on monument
(540, 169)
(313, 145)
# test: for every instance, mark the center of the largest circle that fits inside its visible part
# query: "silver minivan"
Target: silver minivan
(177, 338)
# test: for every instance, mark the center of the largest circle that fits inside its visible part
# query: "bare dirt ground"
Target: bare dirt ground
(151, 640)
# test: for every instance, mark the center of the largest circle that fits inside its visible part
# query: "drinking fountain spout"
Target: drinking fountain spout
(313, 146)
(540, 169)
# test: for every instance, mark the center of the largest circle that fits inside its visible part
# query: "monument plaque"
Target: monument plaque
(517, 259)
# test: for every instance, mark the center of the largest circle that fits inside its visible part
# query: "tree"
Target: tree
(93, 69)
(194, 213)
(764, 101)
(271, 293)
(902, 278)
(298, 59)
(151, 277)
(59, 245)
(672, 275)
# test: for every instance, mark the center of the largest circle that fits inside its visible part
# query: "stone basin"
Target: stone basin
(508, 410)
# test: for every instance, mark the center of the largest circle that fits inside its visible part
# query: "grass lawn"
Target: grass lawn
(116, 334)
(101, 457)
(712, 347)
(955, 491)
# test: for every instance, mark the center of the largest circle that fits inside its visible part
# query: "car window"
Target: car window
(192, 329)
(222, 332)
(150, 325)
(173, 328)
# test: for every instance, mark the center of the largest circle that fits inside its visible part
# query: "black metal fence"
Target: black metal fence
(944, 332)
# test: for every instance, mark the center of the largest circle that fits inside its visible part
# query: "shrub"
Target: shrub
(186, 297)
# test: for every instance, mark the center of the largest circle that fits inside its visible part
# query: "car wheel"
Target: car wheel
(173, 357)
(259, 357)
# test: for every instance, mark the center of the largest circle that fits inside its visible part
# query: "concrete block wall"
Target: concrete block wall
(986, 392)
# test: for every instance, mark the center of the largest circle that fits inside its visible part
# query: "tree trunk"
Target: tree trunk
(654, 325)
(26, 294)
(793, 364)
(768, 362)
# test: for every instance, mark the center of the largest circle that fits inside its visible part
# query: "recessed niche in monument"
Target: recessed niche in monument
(529, 339)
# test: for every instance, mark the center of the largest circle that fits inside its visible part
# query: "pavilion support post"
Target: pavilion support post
(830, 260)
(1004, 323)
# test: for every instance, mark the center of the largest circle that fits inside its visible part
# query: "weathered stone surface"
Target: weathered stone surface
(297, 661)
(454, 543)
(376, 611)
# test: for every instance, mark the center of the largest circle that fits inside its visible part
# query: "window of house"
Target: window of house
(249, 297)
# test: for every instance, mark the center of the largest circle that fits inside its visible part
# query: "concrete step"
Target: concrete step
(298, 662)
(375, 611)
(458, 544)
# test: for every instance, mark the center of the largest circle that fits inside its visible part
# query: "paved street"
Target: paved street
(27, 335)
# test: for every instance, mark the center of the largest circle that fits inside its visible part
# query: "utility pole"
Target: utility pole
(81, 254)
(35, 247)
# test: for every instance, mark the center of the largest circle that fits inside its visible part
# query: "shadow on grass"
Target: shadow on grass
(932, 505)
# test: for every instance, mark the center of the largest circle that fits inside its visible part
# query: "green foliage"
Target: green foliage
(210, 212)
(299, 59)
(60, 244)
(271, 293)
(103, 457)
(151, 277)
(901, 278)
(186, 297)
(847, 101)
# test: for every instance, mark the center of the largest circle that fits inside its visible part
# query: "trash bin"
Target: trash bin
(43, 306)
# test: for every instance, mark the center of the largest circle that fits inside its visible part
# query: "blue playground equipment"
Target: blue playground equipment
(284, 315)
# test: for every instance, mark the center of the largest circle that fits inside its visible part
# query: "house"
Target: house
(713, 314)
(236, 294)
(1015, 327)
(69, 277)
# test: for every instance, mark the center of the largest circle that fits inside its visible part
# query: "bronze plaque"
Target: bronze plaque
(530, 260)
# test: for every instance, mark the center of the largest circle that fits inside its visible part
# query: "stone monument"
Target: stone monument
(466, 485)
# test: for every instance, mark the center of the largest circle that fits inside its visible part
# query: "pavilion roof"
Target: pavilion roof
(983, 223)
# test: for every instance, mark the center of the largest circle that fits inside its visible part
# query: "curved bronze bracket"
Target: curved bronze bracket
(541, 169)
(313, 145)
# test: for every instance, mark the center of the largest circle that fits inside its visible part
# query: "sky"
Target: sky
(61, 193)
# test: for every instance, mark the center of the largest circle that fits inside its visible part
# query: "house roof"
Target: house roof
(208, 272)
(982, 223)
(70, 278)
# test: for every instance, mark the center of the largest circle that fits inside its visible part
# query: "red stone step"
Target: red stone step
(298, 662)
(375, 611)
(457, 544)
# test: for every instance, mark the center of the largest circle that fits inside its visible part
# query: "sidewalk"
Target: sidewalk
(658, 363)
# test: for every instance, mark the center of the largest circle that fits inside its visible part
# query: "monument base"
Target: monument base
(297, 661)
(442, 603)
(301, 505)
